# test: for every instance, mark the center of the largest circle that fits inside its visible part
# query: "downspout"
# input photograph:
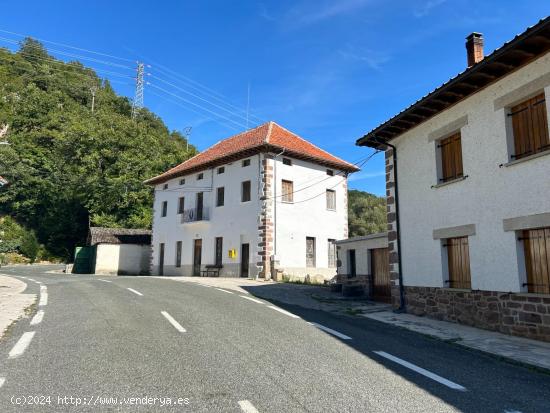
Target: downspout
(401, 308)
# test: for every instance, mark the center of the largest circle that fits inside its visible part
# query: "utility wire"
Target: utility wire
(197, 105)
(234, 128)
(201, 98)
(66, 45)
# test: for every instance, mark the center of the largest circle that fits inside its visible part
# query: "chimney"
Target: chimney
(474, 48)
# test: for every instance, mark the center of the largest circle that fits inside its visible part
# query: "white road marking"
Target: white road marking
(512, 411)
(247, 407)
(21, 345)
(283, 311)
(2, 381)
(134, 291)
(251, 299)
(331, 331)
(176, 325)
(43, 296)
(422, 371)
(225, 291)
(37, 319)
(30, 279)
(105, 281)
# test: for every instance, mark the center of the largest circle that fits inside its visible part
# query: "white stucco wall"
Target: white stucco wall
(362, 247)
(308, 216)
(488, 195)
(236, 221)
(124, 259)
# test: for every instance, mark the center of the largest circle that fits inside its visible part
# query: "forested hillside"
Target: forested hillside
(366, 213)
(68, 166)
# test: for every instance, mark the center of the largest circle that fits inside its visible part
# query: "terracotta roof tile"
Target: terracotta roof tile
(270, 136)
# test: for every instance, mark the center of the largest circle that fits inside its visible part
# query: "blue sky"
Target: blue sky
(327, 70)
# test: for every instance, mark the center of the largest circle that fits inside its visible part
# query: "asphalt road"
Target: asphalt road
(152, 345)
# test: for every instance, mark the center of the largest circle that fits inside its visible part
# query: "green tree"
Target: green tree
(67, 166)
(366, 213)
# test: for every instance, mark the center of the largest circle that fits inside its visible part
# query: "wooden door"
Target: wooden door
(381, 286)
(161, 259)
(245, 258)
(310, 252)
(537, 260)
(197, 254)
(219, 247)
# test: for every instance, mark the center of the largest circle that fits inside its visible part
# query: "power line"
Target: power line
(197, 105)
(203, 99)
(68, 46)
(193, 110)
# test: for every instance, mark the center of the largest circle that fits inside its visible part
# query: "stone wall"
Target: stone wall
(265, 227)
(392, 229)
(518, 314)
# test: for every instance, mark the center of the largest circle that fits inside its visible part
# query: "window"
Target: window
(331, 199)
(458, 261)
(178, 253)
(220, 194)
(536, 246)
(287, 161)
(310, 252)
(221, 170)
(330, 172)
(530, 127)
(219, 251)
(164, 209)
(165, 186)
(182, 181)
(181, 205)
(200, 176)
(245, 191)
(246, 162)
(288, 191)
(451, 157)
(200, 205)
(331, 253)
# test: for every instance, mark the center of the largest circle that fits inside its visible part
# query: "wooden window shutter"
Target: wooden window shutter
(530, 127)
(536, 244)
(288, 191)
(451, 157)
(458, 258)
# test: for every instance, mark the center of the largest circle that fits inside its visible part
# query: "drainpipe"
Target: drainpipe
(401, 308)
(275, 201)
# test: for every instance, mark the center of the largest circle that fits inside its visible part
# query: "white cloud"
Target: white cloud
(427, 7)
(372, 58)
(316, 12)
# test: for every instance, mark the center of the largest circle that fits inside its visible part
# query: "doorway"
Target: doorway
(352, 266)
(245, 258)
(197, 254)
(161, 259)
(381, 287)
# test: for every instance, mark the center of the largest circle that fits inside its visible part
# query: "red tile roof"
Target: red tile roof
(267, 137)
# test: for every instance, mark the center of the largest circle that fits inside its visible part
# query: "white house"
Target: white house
(259, 203)
(468, 186)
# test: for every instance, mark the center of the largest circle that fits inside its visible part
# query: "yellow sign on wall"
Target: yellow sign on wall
(232, 253)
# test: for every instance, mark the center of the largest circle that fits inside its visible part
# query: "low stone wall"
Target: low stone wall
(519, 314)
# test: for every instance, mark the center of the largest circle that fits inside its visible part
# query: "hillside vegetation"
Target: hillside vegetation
(366, 213)
(68, 166)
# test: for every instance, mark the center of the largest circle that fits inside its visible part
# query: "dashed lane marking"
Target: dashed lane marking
(247, 407)
(251, 299)
(283, 311)
(21, 345)
(134, 291)
(43, 296)
(105, 281)
(176, 325)
(422, 371)
(37, 319)
(331, 331)
(225, 291)
(2, 381)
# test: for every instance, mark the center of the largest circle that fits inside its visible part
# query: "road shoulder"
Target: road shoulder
(13, 302)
